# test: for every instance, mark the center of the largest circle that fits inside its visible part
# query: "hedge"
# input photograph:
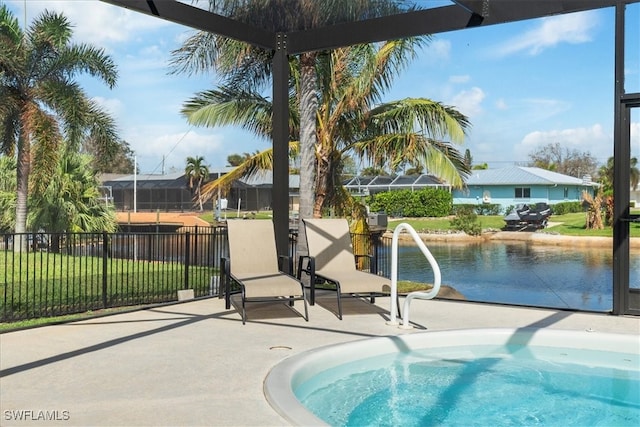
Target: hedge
(427, 202)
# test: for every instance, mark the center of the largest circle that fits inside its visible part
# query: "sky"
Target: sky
(523, 85)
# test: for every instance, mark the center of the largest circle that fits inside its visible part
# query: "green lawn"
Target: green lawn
(570, 225)
(48, 284)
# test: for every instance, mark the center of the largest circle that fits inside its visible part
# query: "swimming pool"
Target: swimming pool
(471, 377)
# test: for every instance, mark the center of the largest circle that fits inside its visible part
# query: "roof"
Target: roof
(285, 21)
(520, 175)
(265, 179)
(399, 182)
(164, 218)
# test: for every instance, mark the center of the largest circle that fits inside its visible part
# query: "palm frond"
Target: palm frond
(46, 143)
(85, 59)
(229, 107)
(254, 165)
(435, 120)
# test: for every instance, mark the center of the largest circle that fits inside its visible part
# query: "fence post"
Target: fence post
(104, 269)
(187, 244)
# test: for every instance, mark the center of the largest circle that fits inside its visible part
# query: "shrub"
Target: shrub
(427, 202)
(466, 220)
(483, 209)
(567, 207)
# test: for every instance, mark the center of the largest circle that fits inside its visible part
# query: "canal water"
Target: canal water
(521, 273)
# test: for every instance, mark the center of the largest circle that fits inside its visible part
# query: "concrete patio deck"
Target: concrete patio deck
(195, 364)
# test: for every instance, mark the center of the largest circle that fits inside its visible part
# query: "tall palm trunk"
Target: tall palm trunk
(308, 108)
(323, 175)
(22, 180)
(198, 194)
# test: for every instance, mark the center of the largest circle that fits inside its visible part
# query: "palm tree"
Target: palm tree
(71, 202)
(606, 175)
(40, 103)
(350, 120)
(196, 173)
(248, 68)
(7, 193)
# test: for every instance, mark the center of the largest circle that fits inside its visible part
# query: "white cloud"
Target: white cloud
(113, 106)
(94, 22)
(537, 109)
(592, 139)
(156, 148)
(459, 79)
(572, 28)
(439, 50)
(501, 104)
(469, 101)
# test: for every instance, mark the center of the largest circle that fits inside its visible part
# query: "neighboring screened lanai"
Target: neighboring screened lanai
(364, 185)
(419, 17)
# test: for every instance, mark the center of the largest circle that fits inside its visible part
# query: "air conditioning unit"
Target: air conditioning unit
(377, 220)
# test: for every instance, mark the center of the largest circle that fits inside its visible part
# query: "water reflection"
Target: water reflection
(520, 273)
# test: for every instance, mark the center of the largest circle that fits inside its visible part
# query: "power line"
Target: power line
(171, 151)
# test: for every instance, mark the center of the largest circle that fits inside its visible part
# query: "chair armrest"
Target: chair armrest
(225, 280)
(285, 261)
(311, 271)
(301, 267)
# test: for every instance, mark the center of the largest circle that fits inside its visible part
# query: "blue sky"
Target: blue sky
(523, 85)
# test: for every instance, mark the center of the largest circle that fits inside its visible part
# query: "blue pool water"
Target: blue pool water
(479, 386)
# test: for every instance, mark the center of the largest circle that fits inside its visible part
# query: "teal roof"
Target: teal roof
(520, 175)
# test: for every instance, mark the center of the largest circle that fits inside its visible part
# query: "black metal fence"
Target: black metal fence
(66, 273)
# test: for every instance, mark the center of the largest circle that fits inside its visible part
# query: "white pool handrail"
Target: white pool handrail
(394, 276)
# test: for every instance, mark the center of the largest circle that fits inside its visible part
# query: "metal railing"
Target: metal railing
(64, 273)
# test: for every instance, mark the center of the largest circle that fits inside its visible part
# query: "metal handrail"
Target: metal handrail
(394, 276)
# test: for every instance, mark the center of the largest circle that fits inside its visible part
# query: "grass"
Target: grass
(45, 284)
(572, 224)
(209, 217)
(44, 321)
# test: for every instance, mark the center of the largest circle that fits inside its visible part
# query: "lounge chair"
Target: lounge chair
(254, 264)
(331, 259)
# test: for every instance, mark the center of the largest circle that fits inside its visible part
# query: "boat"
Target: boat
(525, 217)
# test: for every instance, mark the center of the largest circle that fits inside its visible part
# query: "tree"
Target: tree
(594, 211)
(238, 159)
(248, 68)
(482, 166)
(196, 173)
(555, 157)
(415, 170)
(468, 159)
(350, 119)
(71, 202)
(7, 193)
(605, 175)
(118, 159)
(40, 103)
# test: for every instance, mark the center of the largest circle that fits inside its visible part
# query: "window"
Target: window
(523, 192)
(566, 192)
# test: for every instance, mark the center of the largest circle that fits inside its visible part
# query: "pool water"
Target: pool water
(478, 386)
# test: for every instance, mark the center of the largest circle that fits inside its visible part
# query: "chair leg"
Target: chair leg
(244, 311)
